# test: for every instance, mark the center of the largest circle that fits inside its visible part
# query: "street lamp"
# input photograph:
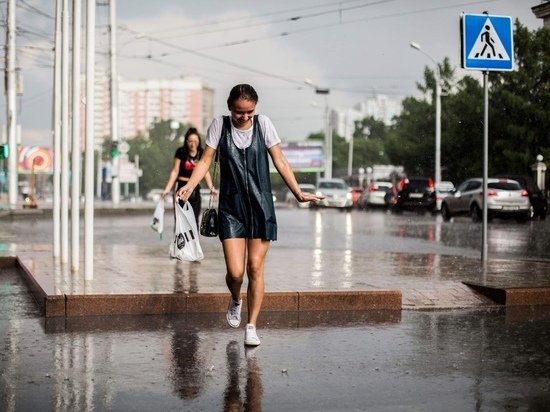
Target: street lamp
(328, 130)
(437, 113)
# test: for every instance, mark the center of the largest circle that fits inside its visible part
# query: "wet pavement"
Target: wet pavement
(466, 353)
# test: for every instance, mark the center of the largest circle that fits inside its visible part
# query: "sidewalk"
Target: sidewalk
(135, 279)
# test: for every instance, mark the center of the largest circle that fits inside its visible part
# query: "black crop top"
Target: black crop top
(187, 163)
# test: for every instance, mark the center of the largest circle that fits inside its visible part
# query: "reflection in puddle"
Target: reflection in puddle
(232, 396)
(189, 368)
(186, 283)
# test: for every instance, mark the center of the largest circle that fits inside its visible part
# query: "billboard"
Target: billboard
(37, 157)
(305, 156)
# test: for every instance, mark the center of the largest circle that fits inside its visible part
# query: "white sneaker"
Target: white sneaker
(234, 312)
(250, 336)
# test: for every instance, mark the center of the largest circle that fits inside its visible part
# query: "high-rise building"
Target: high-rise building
(380, 107)
(143, 102)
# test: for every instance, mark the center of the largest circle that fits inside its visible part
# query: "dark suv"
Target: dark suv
(538, 199)
(415, 194)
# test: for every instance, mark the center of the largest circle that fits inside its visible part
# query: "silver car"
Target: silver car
(442, 189)
(378, 194)
(337, 194)
(305, 188)
(505, 199)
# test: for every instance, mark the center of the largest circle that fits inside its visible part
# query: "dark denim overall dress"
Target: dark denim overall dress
(246, 208)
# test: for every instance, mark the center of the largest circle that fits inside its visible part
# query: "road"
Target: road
(330, 229)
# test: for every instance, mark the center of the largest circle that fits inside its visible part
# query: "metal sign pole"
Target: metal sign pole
(485, 164)
(486, 44)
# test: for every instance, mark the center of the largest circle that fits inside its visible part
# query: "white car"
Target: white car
(205, 198)
(442, 189)
(376, 195)
(305, 188)
(505, 199)
(337, 194)
(154, 194)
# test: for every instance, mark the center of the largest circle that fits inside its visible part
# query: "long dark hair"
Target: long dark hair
(192, 131)
(242, 91)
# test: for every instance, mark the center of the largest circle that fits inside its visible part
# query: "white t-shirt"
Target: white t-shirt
(242, 138)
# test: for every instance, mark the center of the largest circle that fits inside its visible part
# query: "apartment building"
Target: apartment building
(143, 102)
(380, 107)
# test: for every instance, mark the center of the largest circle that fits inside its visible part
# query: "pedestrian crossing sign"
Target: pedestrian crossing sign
(487, 42)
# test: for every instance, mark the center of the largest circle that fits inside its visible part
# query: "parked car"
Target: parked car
(505, 199)
(154, 194)
(442, 189)
(305, 188)
(337, 194)
(537, 197)
(415, 194)
(205, 198)
(355, 194)
(376, 196)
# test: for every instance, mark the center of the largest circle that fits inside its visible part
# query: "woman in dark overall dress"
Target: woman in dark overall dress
(185, 159)
(246, 212)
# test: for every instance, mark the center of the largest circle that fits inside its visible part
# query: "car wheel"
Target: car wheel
(445, 212)
(475, 213)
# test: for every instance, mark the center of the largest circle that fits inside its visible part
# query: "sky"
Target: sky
(355, 48)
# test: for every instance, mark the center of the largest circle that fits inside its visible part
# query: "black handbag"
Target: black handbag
(209, 220)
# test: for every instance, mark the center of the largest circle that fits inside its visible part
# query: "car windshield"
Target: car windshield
(332, 185)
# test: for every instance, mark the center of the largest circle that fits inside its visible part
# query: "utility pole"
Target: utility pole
(56, 207)
(75, 153)
(328, 129)
(115, 185)
(89, 152)
(65, 132)
(11, 114)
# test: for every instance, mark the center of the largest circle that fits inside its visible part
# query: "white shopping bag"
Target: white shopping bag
(185, 245)
(158, 218)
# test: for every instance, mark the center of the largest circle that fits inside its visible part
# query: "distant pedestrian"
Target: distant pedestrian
(186, 158)
(247, 221)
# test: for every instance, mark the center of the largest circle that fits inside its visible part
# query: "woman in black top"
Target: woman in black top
(185, 160)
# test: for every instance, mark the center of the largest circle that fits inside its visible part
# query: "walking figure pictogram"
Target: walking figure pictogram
(488, 40)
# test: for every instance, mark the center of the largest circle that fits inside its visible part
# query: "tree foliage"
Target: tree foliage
(156, 153)
(519, 123)
(522, 99)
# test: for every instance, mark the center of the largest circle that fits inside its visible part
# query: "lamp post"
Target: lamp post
(437, 113)
(328, 129)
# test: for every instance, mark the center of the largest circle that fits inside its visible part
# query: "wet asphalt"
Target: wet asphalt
(463, 360)
(474, 359)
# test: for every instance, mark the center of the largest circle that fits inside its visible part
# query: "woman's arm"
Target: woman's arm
(172, 178)
(285, 170)
(199, 173)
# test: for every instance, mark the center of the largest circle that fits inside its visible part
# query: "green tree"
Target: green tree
(522, 98)
(412, 136)
(156, 153)
(462, 142)
(519, 124)
(369, 143)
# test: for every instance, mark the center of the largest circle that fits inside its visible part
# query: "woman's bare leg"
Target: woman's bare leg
(234, 251)
(257, 251)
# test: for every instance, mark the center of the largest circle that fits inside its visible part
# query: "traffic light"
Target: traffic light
(4, 152)
(114, 149)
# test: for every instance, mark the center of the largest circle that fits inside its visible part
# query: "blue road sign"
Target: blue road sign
(487, 42)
